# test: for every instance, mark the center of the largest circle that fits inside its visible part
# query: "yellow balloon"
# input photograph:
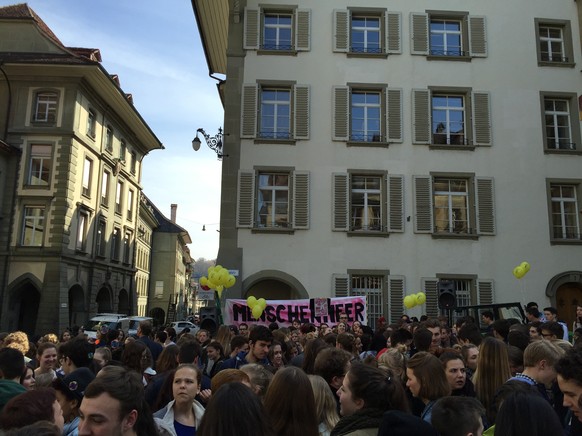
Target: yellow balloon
(409, 302)
(420, 298)
(230, 281)
(526, 266)
(210, 269)
(223, 276)
(257, 311)
(262, 303)
(518, 272)
(203, 281)
(211, 284)
(251, 302)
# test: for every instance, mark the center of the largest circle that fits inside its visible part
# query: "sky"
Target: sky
(154, 47)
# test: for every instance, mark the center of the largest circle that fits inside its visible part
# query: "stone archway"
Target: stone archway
(24, 304)
(273, 285)
(159, 315)
(104, 300)
(565, 292)
(77, 312)
(123, 302)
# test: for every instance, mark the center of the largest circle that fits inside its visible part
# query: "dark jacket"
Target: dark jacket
(8, 390)
(239, 360)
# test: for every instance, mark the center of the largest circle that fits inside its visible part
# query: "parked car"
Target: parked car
(181, 325)
(134, 323)
(110, 321)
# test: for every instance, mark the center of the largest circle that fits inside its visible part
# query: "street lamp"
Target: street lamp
(213, 142)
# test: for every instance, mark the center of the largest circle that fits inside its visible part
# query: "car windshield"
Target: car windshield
(94, 325)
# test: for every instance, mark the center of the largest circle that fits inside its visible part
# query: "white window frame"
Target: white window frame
(36, 223)
(82, 230)
(279, 133)
(37, 170)
(105, 188)
(449, 111)
(367, 31)
(109, 138)
(562, 201)
(366, 120)
(130, 197)
(45, 110)
(443, 34)
(278, 27)
(558, 143)
(119, 197)
(87, 177)
(546, 41)
(367, 193)
(91, 123)
(272, 215)
(451, 195)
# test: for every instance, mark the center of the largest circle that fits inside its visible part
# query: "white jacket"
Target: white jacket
(165, 418)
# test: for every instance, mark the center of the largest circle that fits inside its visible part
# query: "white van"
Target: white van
(134, 323)
(112, 321)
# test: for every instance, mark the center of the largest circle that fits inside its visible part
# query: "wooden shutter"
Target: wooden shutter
(341, 31)
(481, 118)
(341, 202)
(485, 204)
(393, 23)
(396, 298)
(419, 44)
(301, 200)
(396, 203)
(422, 204)
(421, 116)
(341, 111)
(341, 285)
(252, 29)
(303, 30)
(485, 291)
(301, 111)
(394, 115)
(429, 287)
(245, 205)
(250, 95)
(477, 36)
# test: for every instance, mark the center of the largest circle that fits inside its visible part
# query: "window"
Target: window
(45, 110)
(33, 225)
(133, 162)
(367, 114)
(470, 290)
(82, 228)
(372, 287)
(368, 202)
(454, 205)
(277, 30)
(565, 211)
(451, 117)
(273, 199)
(40, 165)
(283, 112)
(560, 121)
(101, 242)
(127, 247)
(119, 197)
(105, 188)
(554, 43)
(130, 205)
(91, 123)
(109, 138)
(87, 170)
(115, 244)
(361, 31)
(448, 35)
(122, 150)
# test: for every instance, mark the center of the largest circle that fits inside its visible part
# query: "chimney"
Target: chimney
(173, 207)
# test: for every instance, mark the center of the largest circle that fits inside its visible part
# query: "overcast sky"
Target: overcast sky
(154, 47)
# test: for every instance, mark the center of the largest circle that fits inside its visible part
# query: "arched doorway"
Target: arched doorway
(159, 315)
(568, 296)
(103, 301)
(24, 304)
(273, 285)
(123, 302)
(77, 315)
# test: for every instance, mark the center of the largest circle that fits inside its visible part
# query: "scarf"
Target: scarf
(364, 418)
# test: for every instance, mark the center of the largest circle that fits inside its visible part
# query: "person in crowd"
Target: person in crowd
(341, 327)
(65, 336)
(433, 325)
(500, 329)
(223, 337)
(521, 414)
(259, 342)
(136, 357)
(312, 349)
(515, 356)
(276, 357)
(101, 357)
(47, 361)
(243, 329)
(394, 361)
(534, 315)
(290, 396)
(469, 333)
(578, 321)
(260, 377)
(235, 397)
(569, 370)
(519, 336)
(230, 376)
(447, 337)
(171, 339)
(332, 364)
(39, 428)
(183, 414)
(347, 341)
(454, 416)
(492, 371)
(291, 350)
(422, 340)
(470, 353)
(69, 391)
(144, 333)
(456, 373)
(203, 337)
(19, 341)
(31, 406)
(27, 379)
(76, 353)
(11, 369)
(325, 405)
(365, 395)
(161, 337)
(427, 380)
(215, 358)
(397, 423)
(551, 330)
(238, 343)
(551, 314)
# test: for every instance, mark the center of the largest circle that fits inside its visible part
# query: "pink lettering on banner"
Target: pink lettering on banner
(283, 312)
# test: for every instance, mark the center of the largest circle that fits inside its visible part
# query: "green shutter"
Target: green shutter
(341, 31)
(301, 200)
(341, 202)
(396, 298)
(252, 29)
(245, 206)
(303, 30)
(421, 116)
(485, 291)
(301, 111)
(396, 203)
(481, 118)
(422, 204)
(250, 95)
(341, 111)
(485, 203)
(419, 44)
(477, 36)
(341, 285)
(393, 23)
(429, 287)
(394, 114)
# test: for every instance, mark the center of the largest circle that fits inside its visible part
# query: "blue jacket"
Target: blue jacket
(239, 360)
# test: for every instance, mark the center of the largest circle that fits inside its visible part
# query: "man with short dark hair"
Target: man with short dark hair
(533, 314)
(144, 332)
(551, 314)
(11, 369)
(551, 330)
(569, 370)
(487, 318)
(469, 333)
(433, 325)
(237, 344)
(501, 329)
(260, 339)
(332, 364)
(458, 416)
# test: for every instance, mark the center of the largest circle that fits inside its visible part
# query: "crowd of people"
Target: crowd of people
(413, 377)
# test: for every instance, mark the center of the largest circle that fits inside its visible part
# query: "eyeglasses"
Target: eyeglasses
(242, 329)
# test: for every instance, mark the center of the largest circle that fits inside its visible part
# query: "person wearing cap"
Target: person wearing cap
(70, 390)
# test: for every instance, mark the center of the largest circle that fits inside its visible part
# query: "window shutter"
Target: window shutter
(422, 204)
(481, 118)
(477, 36)
(394, 114)
(485, 201)
(419, 35)
(301, 200)
(341, 202)
(341, 285)
(303, 30)
(396, 203)
(393, 23)
(396, 295)
(485, 291)
(245, 206)
(252, 29)
(341, 31)
(429, 287)
(250, 94)
(421, 116)
(341, 108)
(301, 111)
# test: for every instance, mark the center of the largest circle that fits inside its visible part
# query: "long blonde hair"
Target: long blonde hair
(223, 337)
(395, 361)
(325, 404)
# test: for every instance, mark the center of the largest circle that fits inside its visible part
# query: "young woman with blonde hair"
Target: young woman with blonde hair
(325, 405)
